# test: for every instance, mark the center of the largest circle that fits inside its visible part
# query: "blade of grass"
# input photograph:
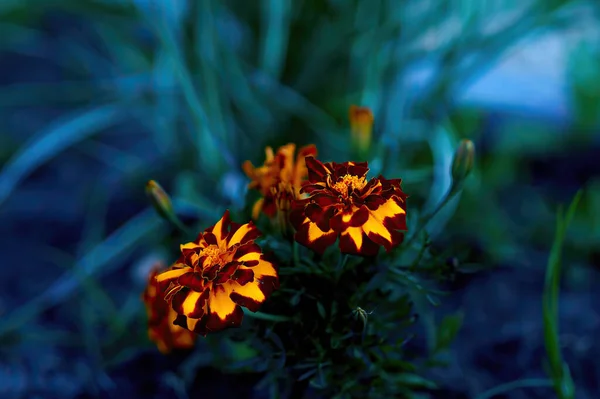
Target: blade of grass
(55, 139)
(558, 370)
(101, 259)
(276, 23)
(509, 386)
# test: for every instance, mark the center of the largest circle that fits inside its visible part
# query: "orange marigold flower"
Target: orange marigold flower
(280, 175)
(342, 203)
(161, 330)
(217, 274)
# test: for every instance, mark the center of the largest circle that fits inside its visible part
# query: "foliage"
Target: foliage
(186, 94)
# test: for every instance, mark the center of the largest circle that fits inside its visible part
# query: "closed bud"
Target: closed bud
(464, 157)
(160, 199)
(361, 124)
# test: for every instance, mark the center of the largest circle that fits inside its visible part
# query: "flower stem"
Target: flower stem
(454, 189)
(265, 316)
(174, 220)
(296, 253)
(339, 270)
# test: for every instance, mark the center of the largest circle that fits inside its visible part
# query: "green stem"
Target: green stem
(417, 260)
(509, 386)
(454, 189)
(339, 270)
(296, 253)
(174, 220)
(265, 316)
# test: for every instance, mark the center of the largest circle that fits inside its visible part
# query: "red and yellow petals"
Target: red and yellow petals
(193, 281)
(350, 217)
(317, 170)
(242, 234)
(354, 241)
(161, 329)
(223, 312)
(172, 275)
(219, 230)
(190, 303)
(311, 236)
(341, 203)
(249, 296)
(225, 261)
(281, 175)
(243, 276)
(247, 252)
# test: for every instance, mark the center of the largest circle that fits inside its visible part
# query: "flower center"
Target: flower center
(349, 182)
(212, 253)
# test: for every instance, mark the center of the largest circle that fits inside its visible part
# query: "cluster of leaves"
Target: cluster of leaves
(339, 322)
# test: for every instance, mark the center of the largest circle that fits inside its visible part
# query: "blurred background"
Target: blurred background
(98, 97)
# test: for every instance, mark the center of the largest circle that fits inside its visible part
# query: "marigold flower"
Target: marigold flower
(280, 175)
(361, 124)
(342, 203)
(217, 274)
(161, 330)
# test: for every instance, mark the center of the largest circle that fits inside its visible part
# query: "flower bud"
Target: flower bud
(361, 124)
(462, 164)
(160, 199)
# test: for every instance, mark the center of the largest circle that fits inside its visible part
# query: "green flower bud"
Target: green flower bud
(464, 157)
(160, 199)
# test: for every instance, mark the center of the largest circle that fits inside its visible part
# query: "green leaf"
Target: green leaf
(49, 143)
(415, 381)
(558, 370)
(321, 310)
(447, 331)
(470, 268)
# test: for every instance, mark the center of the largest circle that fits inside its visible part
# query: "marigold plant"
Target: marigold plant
(333, 315)
(216, 275)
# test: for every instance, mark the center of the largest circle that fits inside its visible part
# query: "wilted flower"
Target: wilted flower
(217, 274)
(342, 203)
(280, 176)
(361, 124)
(161, 316)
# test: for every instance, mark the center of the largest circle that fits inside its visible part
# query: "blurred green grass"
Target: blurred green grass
(210, 85)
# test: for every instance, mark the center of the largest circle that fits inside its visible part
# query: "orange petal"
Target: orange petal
(249, 295)
(172, 274)
(257, 208)
(263, 268)
(244, 233)
(223, 312)
(311, 236)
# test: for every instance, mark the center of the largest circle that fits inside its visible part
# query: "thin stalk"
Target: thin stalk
(423, 221)
(509, 386)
